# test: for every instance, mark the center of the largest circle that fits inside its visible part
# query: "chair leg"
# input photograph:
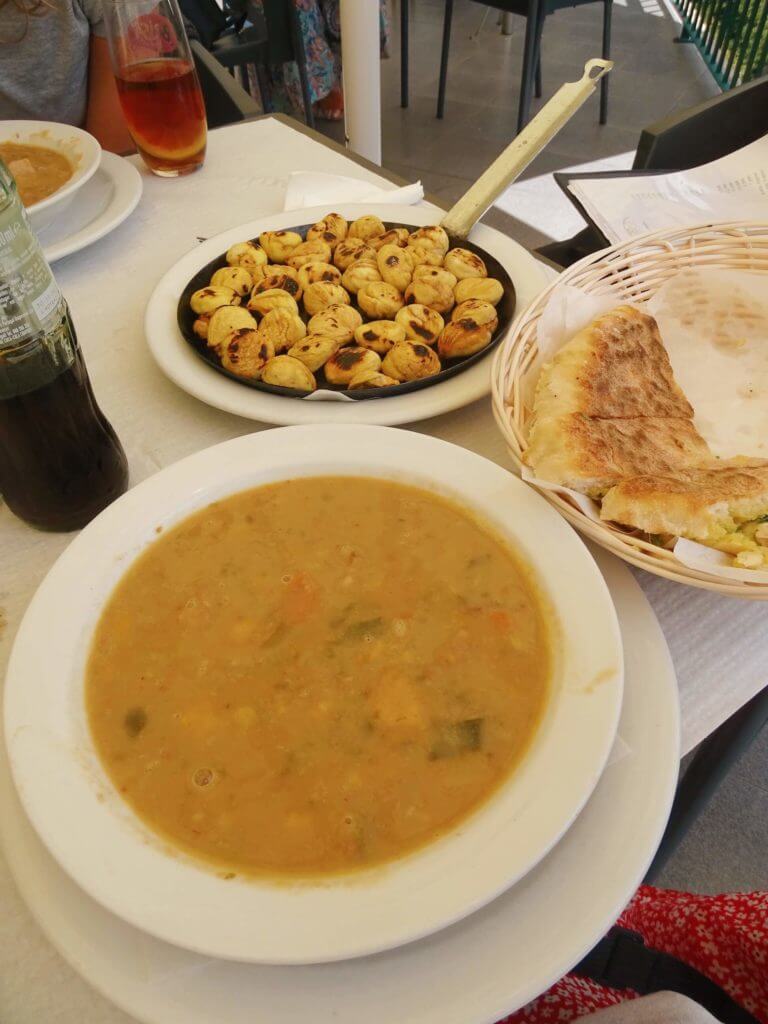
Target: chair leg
(539, 34)
(538, 89)
(607, 16)
(447, 20)
(529, 63)
(263, 81)
(404, 53)
(301, 61)
(249, 78)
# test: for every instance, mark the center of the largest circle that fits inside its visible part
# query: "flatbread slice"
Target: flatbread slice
(590, 455)
(617, 367)
(700, 504)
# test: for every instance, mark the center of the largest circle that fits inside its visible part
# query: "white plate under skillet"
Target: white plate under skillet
(486, 966)
(97, 839)
(101, 205)
(177, 359)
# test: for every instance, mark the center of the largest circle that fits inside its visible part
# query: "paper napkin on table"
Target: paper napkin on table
(310, 188)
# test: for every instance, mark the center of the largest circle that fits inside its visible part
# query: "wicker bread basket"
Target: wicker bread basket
(634, 270)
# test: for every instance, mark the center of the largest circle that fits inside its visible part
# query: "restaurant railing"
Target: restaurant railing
(731, 35)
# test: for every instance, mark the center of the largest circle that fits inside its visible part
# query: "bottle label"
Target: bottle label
(36, 341)
(46, 303)
(29, 296)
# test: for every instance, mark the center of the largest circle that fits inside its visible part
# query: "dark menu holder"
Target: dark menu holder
(564, 178)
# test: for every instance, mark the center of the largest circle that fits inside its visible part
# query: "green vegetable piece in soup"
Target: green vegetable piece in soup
(455, 738)
(360, 630)
(277, 635)
(134, 721)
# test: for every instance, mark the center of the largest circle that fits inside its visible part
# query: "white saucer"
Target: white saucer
(185, 368)
(478, 970)
(99, 207)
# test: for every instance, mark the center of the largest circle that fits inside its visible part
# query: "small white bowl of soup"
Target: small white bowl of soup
(50, 163)
(313, 693)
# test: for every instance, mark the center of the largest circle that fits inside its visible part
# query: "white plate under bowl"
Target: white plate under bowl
(185, 368)
(114, 857)
(488, 965)
(104, 202)
(79, 147)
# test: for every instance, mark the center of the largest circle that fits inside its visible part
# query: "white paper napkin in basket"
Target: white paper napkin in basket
(313, 188)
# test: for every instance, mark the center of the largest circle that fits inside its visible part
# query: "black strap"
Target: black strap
(622, 960)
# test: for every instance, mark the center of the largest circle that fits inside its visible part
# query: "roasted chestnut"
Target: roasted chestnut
(349, 362)
(379, 300)
(420, 323)
(410, 360)
(287, 372)
(322, 294)
(464, 263)
(278, 245)
(210, 298)
(379, 335)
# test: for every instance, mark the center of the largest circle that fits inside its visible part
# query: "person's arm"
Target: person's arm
(103, 117)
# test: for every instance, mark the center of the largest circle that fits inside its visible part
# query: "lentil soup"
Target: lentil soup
(317, 675)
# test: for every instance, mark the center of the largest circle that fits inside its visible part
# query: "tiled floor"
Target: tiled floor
(728, 847)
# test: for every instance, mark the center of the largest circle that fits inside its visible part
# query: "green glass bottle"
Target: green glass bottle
(60, 460)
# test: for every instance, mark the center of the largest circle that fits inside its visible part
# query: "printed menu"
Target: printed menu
(732, 188)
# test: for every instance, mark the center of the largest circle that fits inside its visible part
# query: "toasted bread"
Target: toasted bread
(703, 504)
(617, 367)
(591, 455)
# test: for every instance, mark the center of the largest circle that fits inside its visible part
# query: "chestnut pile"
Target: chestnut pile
(352, 305)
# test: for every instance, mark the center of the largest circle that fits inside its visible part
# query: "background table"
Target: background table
(719, 645)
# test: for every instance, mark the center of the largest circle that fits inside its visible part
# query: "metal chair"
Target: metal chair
(248, 33)
(226, 102)
(225, 33)
(535, 12)
(706, 132)
(209, 20)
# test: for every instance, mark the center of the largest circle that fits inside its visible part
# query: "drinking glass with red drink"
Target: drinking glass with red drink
(157, 83)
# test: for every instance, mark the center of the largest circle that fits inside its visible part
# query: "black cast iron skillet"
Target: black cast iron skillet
(458, 222)
(505, 309)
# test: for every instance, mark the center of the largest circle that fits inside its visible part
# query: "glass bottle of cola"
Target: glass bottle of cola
(60, 460)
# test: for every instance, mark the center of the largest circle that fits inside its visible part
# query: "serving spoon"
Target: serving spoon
(524, 148)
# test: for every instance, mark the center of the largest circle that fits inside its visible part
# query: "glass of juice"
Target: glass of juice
(157, 84)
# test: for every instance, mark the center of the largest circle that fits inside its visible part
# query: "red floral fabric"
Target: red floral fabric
(724, 937)
(569, 998)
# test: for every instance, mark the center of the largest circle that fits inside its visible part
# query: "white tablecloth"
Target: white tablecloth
(719, 645)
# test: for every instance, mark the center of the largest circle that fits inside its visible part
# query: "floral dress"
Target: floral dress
(723, 937)
(321, 32)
